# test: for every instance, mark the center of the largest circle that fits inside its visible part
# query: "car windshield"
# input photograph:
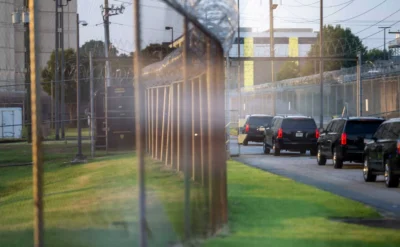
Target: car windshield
(362, 127)
(300, 123)
(260, 121)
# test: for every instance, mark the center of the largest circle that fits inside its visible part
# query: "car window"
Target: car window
(333, 126)
(362, 127)
(302, 123)
(391, 131)
(385, 131)
(395, 129)
(339, 126)
(329, 127)
(260, 121)
(379, 132)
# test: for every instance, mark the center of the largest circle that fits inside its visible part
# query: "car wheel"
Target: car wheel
(245, 142)
(266, 149)
(391, 180)
(320, 158)
(303, 151)
(277, 151)
(367, 172)
(337, 161)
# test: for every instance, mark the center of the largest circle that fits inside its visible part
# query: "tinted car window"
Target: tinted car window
(395, 130)
(339, 127)
(380, 131)
(333, 126)
(260, 121)
(329, 127)
(302, 123)
(362, 127)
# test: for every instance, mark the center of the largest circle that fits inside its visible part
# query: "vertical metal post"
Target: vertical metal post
(359, 86)
(92, 124)
(186, 129)
(62, 119)
(140, 126)
(173, 123)
(178, 130)
(27, 101)
(193, 131)
(156, 137)
(167, 153)
(163, 124)
(152, 123)
(321, 63)
(202, 132)
(336, 99)
(239, 78)
(106, 23)
(148, 91)
(37, 152)
(272, 52)
(79, 156)
(372, 104)
(56, 74)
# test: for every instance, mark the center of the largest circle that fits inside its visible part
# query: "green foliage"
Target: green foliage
(376, 54)
(338, 42)
(288, 70)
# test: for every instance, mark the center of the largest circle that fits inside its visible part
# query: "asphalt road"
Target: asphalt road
(347, 182)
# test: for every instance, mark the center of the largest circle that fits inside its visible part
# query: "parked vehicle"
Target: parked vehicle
(343, 139)
(254, 127)
(382, 154)
(291, 133)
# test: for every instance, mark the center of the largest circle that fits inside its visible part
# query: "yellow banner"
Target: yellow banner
(294, 47)
(248, 65)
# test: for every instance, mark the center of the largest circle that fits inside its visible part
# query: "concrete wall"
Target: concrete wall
(7, 49)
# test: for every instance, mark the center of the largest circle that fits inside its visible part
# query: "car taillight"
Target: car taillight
(247, 128)
(343, 140)
(398, 146)
(316, 133)
(280, 133)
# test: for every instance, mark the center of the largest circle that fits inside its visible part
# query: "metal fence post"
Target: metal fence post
(163, 124)
(169, 120)
(37, 152)
(140, 126)
(92, 124)
(156, 124)
(186, 130)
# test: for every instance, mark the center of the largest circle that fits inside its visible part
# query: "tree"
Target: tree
(376, 54)
(288, 70)
(70, 80)
(97, 49)
(338, 42)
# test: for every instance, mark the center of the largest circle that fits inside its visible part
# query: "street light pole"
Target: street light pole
(321, 63)
(79, 156)
(384, 42)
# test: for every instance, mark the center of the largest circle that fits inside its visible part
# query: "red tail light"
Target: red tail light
(316, 133)
(280, 133)
(398, 146)
(247, 128)
(343, 140)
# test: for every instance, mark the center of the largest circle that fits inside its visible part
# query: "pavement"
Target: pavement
(347, 182)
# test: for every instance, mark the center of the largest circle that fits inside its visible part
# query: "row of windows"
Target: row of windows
(280, 40)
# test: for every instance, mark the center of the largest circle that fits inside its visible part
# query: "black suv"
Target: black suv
(254, 128)
(292, 133)
(382, 154)
(343, 139)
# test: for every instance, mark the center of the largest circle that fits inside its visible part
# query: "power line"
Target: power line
(363, 12)
(310, 5)
(379, 21)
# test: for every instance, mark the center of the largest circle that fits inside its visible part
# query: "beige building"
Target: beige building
(12, 50)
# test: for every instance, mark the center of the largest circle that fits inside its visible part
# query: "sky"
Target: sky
(363, 17)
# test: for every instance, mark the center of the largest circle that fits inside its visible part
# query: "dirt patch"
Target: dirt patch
(379, 223)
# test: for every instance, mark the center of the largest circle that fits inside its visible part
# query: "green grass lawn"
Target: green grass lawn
(95, 204)
(268, 210)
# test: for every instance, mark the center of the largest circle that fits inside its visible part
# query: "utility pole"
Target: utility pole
(384, 41)
(272, 6)
(56, 74)
(108, 11)
(27, 73)
(321, 63)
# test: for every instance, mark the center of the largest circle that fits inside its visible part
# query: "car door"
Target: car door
(330, 136)
(371, 147)
(378, 154)
(269, 132)
(323, 139)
